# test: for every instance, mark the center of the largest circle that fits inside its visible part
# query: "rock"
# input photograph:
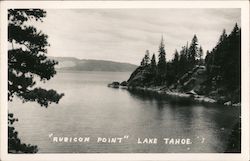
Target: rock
(183, 95)
(124, 87)
(114, 85)
(124, 83)
(205, 99)
(193, 84)
(221, 99)
(236, 104)
(161, 92)
(192, 92)
(202, 67)
(229, 103)
(140, 77)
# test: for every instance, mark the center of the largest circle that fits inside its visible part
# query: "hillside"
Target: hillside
(74, 64)
(194, 80)
(218, 76)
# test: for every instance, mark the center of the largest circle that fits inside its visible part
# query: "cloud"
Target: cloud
(124, 34)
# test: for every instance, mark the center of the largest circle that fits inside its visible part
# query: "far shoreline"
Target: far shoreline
(79, 71)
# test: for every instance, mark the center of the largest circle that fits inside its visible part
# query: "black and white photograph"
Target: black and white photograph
(124, 80)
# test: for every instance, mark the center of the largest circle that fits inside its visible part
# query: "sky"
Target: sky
(123, 35)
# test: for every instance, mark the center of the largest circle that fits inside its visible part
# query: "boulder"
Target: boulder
(236, 104)
(124, 83)
(192, 92)
(229, 103)
(114, 85)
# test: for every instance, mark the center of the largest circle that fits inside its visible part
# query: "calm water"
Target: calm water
(91, 109)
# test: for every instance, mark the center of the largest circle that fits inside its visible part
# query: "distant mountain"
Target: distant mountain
(74, 64)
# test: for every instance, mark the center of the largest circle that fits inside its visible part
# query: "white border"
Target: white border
(244, 5)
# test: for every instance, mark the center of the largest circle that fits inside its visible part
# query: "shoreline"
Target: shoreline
(192, 97)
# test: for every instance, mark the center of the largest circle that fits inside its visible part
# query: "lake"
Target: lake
(91, 110)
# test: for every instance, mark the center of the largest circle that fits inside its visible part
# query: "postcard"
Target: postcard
(125, 80)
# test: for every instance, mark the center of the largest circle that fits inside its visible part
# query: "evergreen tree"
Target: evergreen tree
(232, 59)
(208, 60)
(176, 62)
(200, 55)
(176, 57)
(26, 61)
(193, 50)
(223, 36)
(220, 49)
(223, 64)
(183, 60)
(162, 62)
(176, 66)
(147, 58)
(153, 63)
(186, 51)
(153, 69)
(143, 62)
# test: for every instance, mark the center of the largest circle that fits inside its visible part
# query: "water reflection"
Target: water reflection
(212, 123)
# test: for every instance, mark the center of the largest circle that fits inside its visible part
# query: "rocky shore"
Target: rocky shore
(162, 91)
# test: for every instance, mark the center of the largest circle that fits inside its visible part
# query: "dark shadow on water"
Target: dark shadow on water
(225, 120)
(234, 141)
(177, 108)
(152, 96)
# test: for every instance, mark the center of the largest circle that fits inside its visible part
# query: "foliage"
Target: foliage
(153, 68)
(27, 59)
(27, 63)
(183, 61)
(163, 72)
(146, 60)
(193, 52)
(14, 143)
(219, 75)
(162, 64)
(223, 64)
(200, 55)
(175, 62)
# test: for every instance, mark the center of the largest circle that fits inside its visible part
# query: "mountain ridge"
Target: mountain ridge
(75, 64)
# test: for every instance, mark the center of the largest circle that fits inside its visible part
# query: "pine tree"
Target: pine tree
(231, 65)
(193, 50)
(26, 61)
(208, 58)
(186, 50)
(162, 62)
(143, 62)
(29, 61)
(176, 57)
(224, 65)
(153, 69)
(176, 62)
(223, 36)
(153, 63)
(147, 58)
(183, 60)
(235, 29)
(200, 55)
(176, 65)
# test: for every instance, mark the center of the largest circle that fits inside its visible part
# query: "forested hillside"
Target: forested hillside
(217, 76)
